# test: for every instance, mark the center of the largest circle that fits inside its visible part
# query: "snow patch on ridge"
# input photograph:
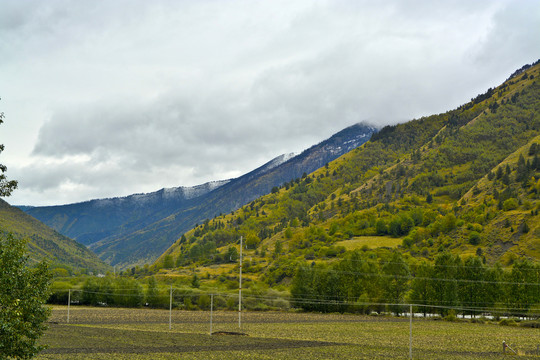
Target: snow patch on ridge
(195, 191)
(181, 192)
(279, 160)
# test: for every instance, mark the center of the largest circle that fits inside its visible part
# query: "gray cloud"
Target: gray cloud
(126, 98)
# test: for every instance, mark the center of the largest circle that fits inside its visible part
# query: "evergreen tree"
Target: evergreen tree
(278, 249)
(522, 170)
(195, 282)
(168, 262)
(499, 172)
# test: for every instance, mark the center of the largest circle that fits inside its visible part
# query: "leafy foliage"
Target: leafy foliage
(23, 291)
(6, 186)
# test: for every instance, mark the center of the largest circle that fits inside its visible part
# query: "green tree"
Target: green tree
(90, 292)
(232, 254)
(152, 293)
(195, 282)
(380, 227)
(252, 241)
(395, 282)
(278, 249)
(472, 287)
(6, 186)
(23, 291)
(128, 292)
(474, 238)
(510, 204)
(449, 222)
(522, 289)
(168, 262)
(302, 291)
(421, 286)
(444, 285)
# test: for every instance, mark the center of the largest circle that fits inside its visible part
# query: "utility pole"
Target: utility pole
(410, 331)
(240, 289)
(211, 311)
(170, 309)
(69, 302)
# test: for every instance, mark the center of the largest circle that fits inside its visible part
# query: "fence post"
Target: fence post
(211, 311)
(170, 309)
(410, 331)
(69, 302)
(240, 288)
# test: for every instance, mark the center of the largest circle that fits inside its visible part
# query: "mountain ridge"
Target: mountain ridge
(138, 235)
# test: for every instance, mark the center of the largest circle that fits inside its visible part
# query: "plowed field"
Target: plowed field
(110, 333)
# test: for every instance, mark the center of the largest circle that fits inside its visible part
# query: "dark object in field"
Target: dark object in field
(229, 333)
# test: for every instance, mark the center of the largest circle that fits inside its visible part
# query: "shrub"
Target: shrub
(510, 204)
(508, 322)
(530, 324)
(474, 238)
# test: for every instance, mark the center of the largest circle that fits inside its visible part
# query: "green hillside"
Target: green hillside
(463, 182)
(45, 243)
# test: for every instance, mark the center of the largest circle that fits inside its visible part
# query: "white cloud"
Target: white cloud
(109, 98)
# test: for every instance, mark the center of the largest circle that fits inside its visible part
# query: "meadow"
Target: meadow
(118, 333)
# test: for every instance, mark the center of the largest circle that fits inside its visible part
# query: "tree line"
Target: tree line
(361, 283)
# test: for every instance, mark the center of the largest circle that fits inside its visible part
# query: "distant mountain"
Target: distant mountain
(91, 221)
(137, 229)
(45, 243)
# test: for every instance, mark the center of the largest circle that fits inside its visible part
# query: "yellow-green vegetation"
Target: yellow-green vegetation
(457, 190)
(67, 256)
(144, 334)
(23, 291)
(370, 242)
(462, 181)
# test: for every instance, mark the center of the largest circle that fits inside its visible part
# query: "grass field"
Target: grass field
(109, 333)
(371, 242)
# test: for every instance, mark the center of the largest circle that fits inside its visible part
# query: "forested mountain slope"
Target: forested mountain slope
(45, 243)
(463, 182)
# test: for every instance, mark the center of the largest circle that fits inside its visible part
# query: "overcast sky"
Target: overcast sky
(110, 98)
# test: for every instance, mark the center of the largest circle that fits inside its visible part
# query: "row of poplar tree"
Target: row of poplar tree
(361, 283)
